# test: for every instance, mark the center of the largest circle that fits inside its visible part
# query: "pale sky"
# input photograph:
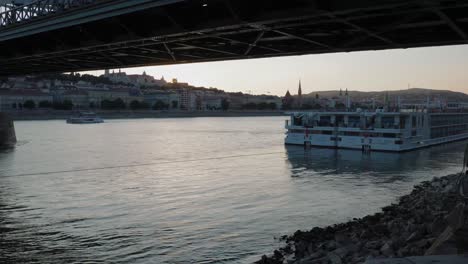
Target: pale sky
(434, 67)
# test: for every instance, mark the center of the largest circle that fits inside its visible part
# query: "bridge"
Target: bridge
(77, 35)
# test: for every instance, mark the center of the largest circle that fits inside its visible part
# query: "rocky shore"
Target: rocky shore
(431, 220)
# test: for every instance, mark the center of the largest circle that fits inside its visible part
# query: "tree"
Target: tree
(340, 105)
(249, 106)
(64, 105)
(307, 106)
(272, 106)
(224, 104)
(45, 104)
(144, 105)
(29, 104)
(67, 104)
(134, 105)
(119, 103)
(160, 105)
(262, 106)
(113, 104)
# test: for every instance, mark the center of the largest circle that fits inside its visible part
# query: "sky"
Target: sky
(434, 67)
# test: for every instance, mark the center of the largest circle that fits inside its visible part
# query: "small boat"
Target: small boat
(85, 118)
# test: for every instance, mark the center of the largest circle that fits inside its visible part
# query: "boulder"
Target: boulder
(387, 250)
(334, 258)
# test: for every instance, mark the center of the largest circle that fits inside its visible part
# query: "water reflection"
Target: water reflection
(392, 166)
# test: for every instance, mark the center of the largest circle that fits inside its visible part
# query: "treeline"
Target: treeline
(260, 106)
(30, 104)
(74, 78)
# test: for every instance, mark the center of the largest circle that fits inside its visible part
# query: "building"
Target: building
(79, 98)
(212, 103)
(287, 101)
(188, 100)
(15, 99)
(127, 95)
(137, 80)
(299, 96)
(169, 98)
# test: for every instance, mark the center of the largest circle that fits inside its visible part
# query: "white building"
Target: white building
(136, 80)
(15, 99)
(169, 98)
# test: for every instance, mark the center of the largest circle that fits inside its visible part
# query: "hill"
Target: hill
(407, 94)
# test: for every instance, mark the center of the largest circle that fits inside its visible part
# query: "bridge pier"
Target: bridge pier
(7, 131)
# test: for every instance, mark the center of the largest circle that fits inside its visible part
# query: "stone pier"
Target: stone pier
(7, 131)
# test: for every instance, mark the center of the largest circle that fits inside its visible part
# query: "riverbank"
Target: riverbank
(431, 220)
(61, 115)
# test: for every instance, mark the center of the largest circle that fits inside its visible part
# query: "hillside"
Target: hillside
(407, 94)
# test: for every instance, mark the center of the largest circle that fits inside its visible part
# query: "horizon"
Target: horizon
(437, 68)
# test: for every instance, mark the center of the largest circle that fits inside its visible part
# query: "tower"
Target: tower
(386, 101)
(299, 91)
(299, 95)
(287, 101)
(106, 72)
(348, 99)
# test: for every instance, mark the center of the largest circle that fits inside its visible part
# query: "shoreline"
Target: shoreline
(431, 220)
(63, 115)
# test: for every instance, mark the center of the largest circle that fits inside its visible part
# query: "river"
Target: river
(186, 190)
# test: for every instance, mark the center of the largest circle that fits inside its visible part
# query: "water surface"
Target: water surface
(186, 190)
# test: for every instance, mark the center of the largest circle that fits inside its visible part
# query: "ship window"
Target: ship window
(339, 120)
(326, 132)
(297, 120)
(325, 121)
(402, 121)
(295, 131)
(388, 121)
(354, 121)
(389, 135)
(413, 122)
(413, 133)
(355, 134)
(398, 142)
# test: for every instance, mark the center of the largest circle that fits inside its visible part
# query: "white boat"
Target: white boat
(85, 118)
(382, 131)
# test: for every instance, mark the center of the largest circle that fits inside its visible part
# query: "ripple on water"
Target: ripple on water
(209, 190)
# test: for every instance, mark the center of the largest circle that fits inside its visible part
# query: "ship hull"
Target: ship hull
(355, 143)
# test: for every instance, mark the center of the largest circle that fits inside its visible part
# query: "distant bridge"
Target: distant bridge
(77, 35)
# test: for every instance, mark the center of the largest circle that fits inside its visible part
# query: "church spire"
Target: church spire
(299, 91)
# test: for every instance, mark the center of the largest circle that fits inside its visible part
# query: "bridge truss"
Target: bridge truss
(161, 32)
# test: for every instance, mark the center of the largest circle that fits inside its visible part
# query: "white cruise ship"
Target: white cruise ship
(381, 131)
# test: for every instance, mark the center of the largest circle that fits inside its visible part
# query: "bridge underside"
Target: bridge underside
(174, 32)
